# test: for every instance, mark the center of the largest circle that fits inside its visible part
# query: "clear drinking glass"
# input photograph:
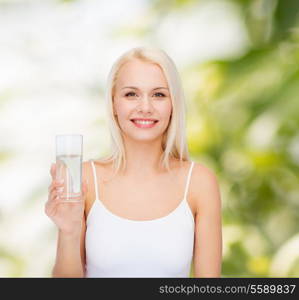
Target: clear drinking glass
(69, 165)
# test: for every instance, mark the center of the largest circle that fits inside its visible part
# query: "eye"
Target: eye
(130, 93)
(162, 95)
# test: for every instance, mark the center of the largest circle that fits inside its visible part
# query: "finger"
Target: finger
(55, 194)
(50, 207)
(57, 183)
(53, 170)
(54, 199)
(54, 185)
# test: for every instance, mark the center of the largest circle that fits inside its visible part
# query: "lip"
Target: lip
(144, 125)
(141, 119)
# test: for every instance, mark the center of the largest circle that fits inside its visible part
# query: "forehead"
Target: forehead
(139, 73)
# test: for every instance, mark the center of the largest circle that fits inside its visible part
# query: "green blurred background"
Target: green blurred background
(239, 63)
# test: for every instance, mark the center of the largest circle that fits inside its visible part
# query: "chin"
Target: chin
(145, 137)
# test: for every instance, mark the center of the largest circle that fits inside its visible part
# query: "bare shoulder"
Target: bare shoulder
(202, 172)
(87, 168)
(88, 177)
(206, 191)
(87, 172)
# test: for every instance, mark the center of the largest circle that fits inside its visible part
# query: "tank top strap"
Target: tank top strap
(188, 179)
(95, 179)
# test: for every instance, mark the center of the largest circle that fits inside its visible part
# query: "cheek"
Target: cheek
(166, 110)
(120, 108)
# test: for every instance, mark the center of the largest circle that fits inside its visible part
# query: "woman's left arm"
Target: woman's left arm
(208, 224)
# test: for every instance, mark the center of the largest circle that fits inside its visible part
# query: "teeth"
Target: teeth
(144, 122)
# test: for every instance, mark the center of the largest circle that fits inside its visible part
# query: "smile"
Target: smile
(144, 124)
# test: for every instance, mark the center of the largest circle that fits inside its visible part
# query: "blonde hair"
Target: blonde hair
(174, 138)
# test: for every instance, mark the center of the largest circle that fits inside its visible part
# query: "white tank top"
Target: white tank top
(120, 247)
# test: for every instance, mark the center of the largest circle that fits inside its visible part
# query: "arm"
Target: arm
(208, 228)
(70, 255)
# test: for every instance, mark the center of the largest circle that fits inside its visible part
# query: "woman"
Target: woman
(146, 210)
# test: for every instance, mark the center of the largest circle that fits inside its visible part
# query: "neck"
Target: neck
(143, 159)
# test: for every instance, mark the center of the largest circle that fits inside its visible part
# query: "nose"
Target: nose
(145, 104)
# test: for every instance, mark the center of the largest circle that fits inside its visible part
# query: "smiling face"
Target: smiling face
(141, 92)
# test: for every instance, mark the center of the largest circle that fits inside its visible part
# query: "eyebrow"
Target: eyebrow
(136, 88)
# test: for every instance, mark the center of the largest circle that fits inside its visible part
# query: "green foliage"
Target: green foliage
(244, 124)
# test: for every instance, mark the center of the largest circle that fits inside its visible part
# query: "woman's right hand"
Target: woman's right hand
(67, 216)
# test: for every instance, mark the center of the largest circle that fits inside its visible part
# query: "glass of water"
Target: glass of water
(69, 165)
